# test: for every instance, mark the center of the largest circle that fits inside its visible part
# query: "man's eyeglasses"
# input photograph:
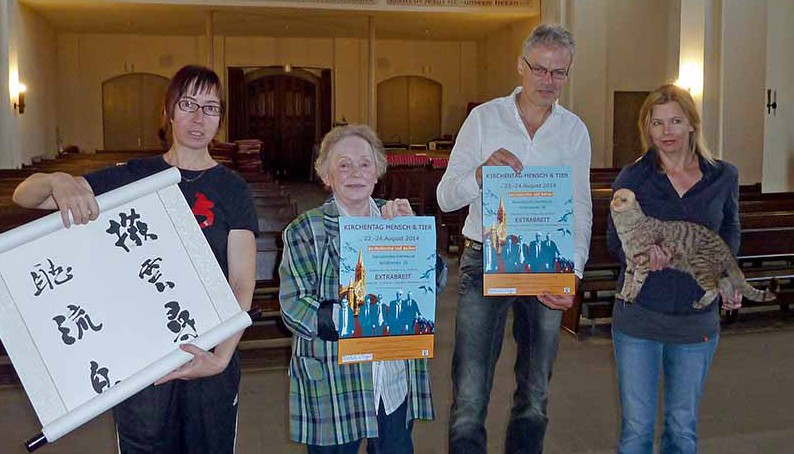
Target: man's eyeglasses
(540, 71)
(189, 106)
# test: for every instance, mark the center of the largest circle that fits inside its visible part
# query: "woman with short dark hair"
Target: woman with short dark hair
(193, 409)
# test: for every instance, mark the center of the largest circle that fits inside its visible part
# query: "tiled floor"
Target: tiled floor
(748, 406)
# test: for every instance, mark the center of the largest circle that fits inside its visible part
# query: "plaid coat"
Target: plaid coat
(330, 404)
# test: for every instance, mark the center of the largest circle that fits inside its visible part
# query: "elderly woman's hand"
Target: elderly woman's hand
(396, 207)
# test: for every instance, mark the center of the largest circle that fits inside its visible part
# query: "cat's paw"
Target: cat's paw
(705, 300)
(627, 295)
(631, 291)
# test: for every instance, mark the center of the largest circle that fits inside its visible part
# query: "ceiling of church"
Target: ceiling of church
(137, 18)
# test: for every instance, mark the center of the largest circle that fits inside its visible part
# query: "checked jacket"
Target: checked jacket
(330, 404)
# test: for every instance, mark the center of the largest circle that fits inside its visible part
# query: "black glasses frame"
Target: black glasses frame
(189, 106)
(540, 71)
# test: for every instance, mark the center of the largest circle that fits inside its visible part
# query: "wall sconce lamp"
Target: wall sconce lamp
(690, 78)
(20, 104)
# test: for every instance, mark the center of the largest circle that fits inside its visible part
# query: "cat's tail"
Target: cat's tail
(737, 281)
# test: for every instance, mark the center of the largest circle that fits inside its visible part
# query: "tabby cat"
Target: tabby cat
(694, 249)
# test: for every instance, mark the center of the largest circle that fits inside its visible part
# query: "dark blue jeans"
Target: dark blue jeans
(394, 436)
(479, 330)
(641, 363)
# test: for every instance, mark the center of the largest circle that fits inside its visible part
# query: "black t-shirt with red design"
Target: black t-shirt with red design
(219, 198)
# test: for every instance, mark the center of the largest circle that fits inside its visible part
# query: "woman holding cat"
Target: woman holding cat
(677, 178)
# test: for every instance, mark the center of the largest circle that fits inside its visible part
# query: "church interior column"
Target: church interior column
(371, 108)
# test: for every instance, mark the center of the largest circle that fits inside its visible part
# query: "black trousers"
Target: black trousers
(182, 417)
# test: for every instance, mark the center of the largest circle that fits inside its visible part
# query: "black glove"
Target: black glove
(325, 321)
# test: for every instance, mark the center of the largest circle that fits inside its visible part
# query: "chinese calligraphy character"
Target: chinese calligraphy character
(180, 321)
(100, 378)
(134, 229)
(79, 320)
(150, 267)
(44, 277)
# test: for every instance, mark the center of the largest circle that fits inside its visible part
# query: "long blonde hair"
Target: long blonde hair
(663, 95)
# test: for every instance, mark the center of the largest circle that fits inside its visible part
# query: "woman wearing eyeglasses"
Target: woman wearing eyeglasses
(194, 408)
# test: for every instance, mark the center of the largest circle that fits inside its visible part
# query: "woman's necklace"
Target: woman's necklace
(190, 180)
(169, 158)
(687, 176)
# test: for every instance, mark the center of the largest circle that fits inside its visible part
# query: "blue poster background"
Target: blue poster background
(386, 276)
(527, 220)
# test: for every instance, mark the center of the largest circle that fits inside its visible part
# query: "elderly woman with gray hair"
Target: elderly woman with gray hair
(332, 406)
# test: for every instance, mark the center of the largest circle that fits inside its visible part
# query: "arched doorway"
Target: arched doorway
(409, 110)
(283, 110)
(132, 111)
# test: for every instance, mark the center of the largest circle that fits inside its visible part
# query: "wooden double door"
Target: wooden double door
(289, 113)
(409, 110)
(132, 106)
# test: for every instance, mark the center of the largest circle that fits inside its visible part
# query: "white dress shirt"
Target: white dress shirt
(561, 140)
(390, 382)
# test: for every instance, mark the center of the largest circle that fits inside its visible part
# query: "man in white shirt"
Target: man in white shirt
(529, 128)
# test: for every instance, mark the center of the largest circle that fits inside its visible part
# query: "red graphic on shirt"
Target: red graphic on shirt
(202, 208)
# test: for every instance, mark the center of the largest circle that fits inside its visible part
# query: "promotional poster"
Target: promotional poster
(527, 230)
(387, 294)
